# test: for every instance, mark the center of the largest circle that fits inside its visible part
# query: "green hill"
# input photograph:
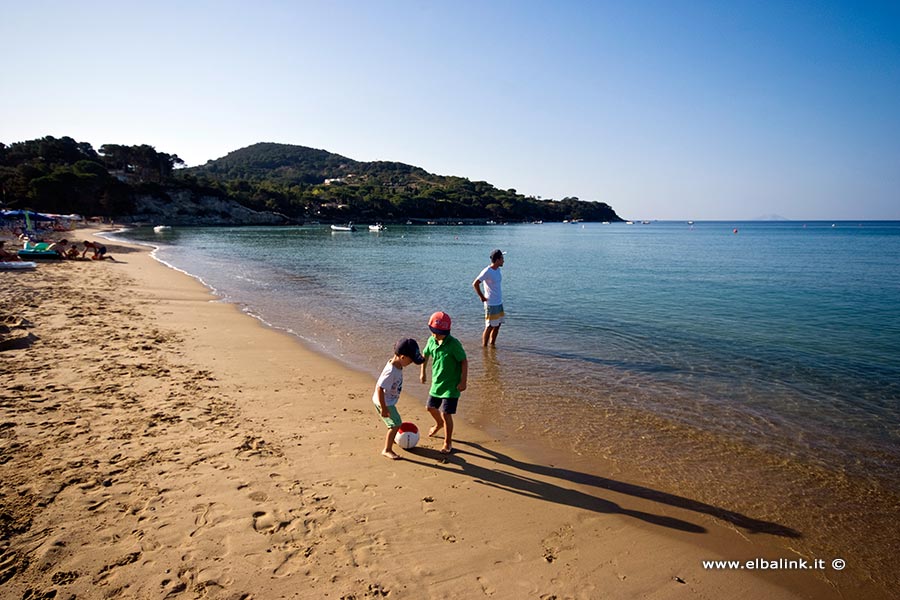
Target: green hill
(62, 175)
(312, 183)
(278, 162)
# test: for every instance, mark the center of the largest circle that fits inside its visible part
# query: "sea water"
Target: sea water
(750, 366)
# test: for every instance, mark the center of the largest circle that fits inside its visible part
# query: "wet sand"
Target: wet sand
(155, 443)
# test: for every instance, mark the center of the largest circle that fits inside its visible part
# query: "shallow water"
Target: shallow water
(757, 370)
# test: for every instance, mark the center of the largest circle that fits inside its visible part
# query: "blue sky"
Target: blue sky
(664, 110)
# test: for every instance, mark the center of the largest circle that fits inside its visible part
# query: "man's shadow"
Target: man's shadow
(533, 488)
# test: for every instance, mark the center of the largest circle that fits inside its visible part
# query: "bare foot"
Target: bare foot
(447, 449)
(434, 429)
(390, 454)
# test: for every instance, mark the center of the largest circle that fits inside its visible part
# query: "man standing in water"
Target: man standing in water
(492, 296)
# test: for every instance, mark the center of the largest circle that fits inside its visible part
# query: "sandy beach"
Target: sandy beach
(157, 443)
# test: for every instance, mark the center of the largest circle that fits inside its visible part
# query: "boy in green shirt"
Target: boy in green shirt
(449, 375)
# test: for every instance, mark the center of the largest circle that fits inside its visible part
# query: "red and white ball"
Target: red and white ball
(407, 436)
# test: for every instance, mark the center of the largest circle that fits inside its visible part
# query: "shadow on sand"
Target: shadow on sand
(506, 480)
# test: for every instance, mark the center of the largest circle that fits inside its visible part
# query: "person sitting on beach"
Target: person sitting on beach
(62, 248)
(449, 376)
(387, 390)
(5, 255)
(98, 248)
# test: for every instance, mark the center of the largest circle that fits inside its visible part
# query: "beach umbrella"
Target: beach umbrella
(24, 213)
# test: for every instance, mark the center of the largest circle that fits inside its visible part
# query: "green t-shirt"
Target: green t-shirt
(446, 369)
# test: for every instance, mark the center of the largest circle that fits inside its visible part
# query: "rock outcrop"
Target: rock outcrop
(186, 207)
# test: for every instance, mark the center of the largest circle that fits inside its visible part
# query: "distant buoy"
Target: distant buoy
(735, 230)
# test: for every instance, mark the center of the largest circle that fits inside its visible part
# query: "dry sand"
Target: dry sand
(155, 443)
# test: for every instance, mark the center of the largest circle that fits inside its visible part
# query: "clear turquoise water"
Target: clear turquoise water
(691, 352)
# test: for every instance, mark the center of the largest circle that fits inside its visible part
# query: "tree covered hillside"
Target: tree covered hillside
(61, 175)
(297, 180)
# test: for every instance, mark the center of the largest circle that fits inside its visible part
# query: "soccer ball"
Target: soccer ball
(407, 436)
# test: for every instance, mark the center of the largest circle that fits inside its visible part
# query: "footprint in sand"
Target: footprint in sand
(258, 496)
(294, 558)
(269, 522)
(10, 564)
(108, 570)
(557, 541)
(256, 446)
(486, 588)
(64, 577)
(428, 505)
(202, 520)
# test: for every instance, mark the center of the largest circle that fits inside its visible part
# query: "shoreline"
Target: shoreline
(837, 513)
(282, 468)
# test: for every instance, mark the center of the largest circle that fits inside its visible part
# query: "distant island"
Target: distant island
(265, 183)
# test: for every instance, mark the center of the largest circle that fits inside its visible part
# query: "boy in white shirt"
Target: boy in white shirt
(387, 390)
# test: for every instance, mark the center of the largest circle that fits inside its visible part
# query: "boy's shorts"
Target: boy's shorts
(393, 419)
(445, 405)
(494, 315)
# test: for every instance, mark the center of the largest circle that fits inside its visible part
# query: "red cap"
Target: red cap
(439, 323)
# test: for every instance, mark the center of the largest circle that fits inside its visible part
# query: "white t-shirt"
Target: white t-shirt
(491, 278)
(391, 379)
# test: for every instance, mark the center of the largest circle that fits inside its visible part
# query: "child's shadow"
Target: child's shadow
(539, 490)
(527, 486)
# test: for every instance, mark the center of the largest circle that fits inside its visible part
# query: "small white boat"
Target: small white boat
(161, 228)
(347, 227)
(377, 227)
